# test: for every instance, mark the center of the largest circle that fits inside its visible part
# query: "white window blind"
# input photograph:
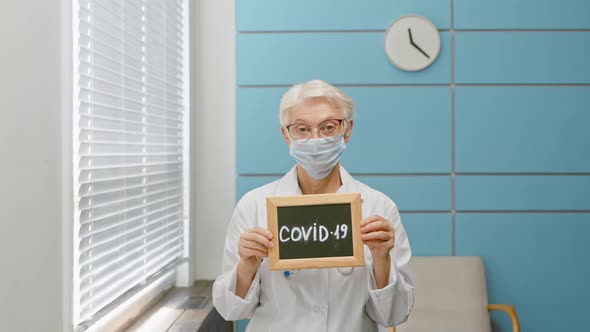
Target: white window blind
(129, 133)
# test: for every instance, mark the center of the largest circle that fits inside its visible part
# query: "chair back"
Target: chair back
(450, 295)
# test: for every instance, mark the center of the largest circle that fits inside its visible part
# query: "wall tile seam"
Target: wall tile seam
(521, 211)
(426, 85)
(263, 32)
(460, 174)
(453, 136)
(502, 211)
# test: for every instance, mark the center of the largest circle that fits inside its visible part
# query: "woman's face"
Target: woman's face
(313, 112)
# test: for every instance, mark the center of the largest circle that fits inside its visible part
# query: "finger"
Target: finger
(247, 252)
(371, 219)
(262, 231)
(380, 225)
(377, 236)
(257, 237)
(253, 245)
(381, 246)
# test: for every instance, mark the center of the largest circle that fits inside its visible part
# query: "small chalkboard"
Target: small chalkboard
(315, 231)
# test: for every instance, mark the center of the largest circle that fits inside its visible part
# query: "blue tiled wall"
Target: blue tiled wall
(486, 152)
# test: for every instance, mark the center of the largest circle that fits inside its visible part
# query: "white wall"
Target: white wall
(33, 103)
(30, 169)
(214, 89)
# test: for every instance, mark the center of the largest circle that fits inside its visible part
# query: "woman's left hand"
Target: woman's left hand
(378, 234)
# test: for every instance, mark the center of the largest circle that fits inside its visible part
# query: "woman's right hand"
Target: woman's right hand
(253, 246)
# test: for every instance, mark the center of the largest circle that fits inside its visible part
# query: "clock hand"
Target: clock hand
(421, 51)
(414, 44)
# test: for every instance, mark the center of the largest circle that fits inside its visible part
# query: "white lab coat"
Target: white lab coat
(315, 300)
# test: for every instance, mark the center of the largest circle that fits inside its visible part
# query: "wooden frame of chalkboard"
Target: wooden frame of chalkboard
(315, 231)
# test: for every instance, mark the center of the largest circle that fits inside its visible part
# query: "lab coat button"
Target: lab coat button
(316, 308)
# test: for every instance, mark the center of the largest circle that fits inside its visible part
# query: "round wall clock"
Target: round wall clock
(412, 43)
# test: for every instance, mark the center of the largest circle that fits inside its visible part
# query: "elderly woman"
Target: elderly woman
(316, 122)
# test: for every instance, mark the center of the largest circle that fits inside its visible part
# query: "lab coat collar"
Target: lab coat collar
(289, 186)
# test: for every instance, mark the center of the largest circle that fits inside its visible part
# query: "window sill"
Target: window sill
(183, 309)
(127, 311)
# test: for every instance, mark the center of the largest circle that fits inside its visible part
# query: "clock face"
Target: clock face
(412, 43)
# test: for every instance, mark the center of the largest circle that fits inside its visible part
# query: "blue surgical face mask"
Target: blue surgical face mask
(318, 156)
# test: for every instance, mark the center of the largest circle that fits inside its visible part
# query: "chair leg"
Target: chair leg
(509, 309)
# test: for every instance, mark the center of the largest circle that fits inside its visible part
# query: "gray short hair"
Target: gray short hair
(299, 93)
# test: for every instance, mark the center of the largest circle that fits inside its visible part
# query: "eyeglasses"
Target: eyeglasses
(326, 129)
